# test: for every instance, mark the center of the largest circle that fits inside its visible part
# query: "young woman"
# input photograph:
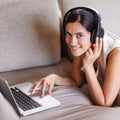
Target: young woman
(95, 57)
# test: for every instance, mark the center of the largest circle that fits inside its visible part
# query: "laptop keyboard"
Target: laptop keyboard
(24, 101)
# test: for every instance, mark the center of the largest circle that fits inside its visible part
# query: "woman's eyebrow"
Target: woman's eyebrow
(79, 33)
(74, 33)
(68, 32)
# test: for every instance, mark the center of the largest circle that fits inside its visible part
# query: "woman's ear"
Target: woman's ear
(92, 46)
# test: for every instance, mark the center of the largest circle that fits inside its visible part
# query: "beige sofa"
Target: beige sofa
(32, 46)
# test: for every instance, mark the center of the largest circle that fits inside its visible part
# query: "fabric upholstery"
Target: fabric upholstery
(6, 110)
(29, 34)
(75, 105)
(7, 1)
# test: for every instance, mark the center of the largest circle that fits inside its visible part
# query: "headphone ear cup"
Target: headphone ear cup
(93, 36)
(101, 33)
(98, 32)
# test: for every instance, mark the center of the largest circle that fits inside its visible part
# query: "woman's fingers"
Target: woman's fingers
(46, 88)
(97, 47)
(90, 51)
(100, 46)
(34, 87)
(50, 87)
(44, 83)
(93, 52)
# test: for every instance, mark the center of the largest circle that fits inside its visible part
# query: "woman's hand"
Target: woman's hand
(45, 82)
(92, 53)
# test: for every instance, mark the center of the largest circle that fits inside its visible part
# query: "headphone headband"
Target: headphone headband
(91, 10)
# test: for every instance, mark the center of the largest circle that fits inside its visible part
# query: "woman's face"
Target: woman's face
(77, 38)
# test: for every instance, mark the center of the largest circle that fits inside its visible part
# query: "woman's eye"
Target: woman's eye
(79, 35)
(67, 34)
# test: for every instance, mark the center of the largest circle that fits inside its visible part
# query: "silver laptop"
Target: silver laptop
(25, 104)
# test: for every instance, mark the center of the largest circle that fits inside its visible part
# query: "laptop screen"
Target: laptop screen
(5, 90)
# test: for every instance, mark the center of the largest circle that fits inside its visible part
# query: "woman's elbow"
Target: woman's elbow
(75, 84)
(105, 104)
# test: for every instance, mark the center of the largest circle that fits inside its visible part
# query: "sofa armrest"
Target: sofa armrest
(6, 110)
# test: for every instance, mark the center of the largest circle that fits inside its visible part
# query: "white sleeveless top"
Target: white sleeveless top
(110, 41)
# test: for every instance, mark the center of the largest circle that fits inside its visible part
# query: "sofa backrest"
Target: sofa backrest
(29, 34)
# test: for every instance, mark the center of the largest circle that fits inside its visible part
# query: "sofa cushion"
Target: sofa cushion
(6, 1)
(6, 110)
(29, 34)
(75, 105)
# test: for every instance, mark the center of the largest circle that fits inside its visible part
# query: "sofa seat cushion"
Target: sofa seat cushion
(29, 34)
(75, 105)
(75, 102)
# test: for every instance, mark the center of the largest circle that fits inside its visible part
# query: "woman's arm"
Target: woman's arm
(112, 79)
(105, 95)
(75, 76)
(76, 73)
(50, 80)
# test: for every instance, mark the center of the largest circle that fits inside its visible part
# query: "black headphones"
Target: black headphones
(98, 31)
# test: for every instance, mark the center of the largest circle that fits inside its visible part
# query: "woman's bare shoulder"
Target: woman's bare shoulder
(114, 55)
(114, 52)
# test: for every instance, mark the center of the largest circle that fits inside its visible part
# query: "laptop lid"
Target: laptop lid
(5, 90)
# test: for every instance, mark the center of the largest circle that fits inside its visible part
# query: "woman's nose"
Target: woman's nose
(73, 40)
